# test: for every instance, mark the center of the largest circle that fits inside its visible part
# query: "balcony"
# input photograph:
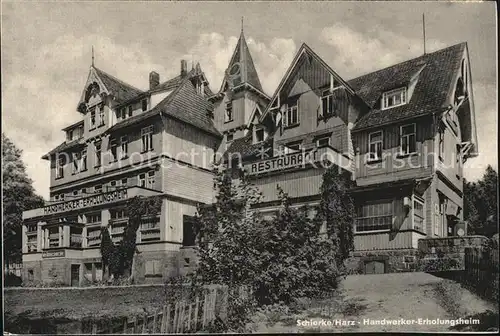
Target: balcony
(75, 240)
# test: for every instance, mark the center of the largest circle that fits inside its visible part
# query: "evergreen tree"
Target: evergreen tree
(337, 210)
(480, 204)
(18, 195)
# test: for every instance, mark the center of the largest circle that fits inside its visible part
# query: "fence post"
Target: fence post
(94, 328)
(144, 323)
(135, 324)
(155, 320)
(189, 318)
(176, 317)
(204, 320)
(224, 302)
(196, 306)
(125, 323)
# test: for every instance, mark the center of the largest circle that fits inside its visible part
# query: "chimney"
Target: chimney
(183, 68)
(154, 79)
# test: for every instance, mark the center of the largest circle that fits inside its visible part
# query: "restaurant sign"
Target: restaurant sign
(295, 160)
(104, 198)
(53, 254)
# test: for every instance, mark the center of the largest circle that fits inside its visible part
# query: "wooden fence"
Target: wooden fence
(13, 269)
(182, 317)
(481, 271)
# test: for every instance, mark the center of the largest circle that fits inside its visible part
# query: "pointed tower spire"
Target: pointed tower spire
(92, 56)
(241, 68)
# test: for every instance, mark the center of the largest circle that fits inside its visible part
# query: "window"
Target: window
(151, 179)
(229, 138)
(229, 112)
(56, 198)
(76, 162)
(374, 216)
(118, 214)
(408, 139)
(101, 115)
(293, 147)
(92, 119)
(94, 218)
(124, 182)
(61, 161)
(323, 141)
(418, 215)
(375, 140)
(98, 154)
(326, 103)
(61, 197)
(70, 135)
(394, 98)
(123, 147)
(153, 268)
(291, 115)
(259, 135)
(84, 160)
(441, 142)
(75, 192)
(144, 105)
(84, 191)
(54, 237)
(130, 109)
(147, 138)
(112, 149)
(98, 188)
(113, 185)
(142, 180)
(123, 113)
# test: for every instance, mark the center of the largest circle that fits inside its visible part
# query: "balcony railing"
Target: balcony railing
(75, 240)
(32, 246)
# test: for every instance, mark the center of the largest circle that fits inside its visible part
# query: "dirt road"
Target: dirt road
(372, 302)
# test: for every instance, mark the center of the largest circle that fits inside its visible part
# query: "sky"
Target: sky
(46, 53)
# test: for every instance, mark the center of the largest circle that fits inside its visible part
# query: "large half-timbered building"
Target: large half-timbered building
(402, 133)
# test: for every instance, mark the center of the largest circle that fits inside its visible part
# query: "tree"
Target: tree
(18, 195)
(337, 210)
(118, 258)
(227, 232)
(280, 258)
(480, 204)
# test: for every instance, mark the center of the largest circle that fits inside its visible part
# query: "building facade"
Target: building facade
(402, 133)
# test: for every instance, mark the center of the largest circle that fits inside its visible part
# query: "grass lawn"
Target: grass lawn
(80, 304)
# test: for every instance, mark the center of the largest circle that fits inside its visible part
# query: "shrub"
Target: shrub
(12, 280)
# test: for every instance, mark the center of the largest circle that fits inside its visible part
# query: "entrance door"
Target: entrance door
(374, 267)
(75, 275)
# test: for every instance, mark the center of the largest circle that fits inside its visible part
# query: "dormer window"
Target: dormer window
(394, 98)
(101, 115)
(144, 105)
(375, 144)
(123, 113)
(259, 135)
(229, 112)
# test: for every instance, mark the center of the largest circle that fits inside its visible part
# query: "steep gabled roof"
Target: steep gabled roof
(305, 51)
(430, 92)
(183, 104)
(242, 56)
(118, 88)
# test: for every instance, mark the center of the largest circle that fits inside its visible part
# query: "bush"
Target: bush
(12, 280)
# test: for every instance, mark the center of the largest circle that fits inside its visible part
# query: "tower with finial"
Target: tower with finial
(240, 94)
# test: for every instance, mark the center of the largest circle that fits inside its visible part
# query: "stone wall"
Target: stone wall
(447, 253)
(394, 261)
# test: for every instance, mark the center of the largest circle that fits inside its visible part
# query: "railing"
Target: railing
(32, 246)
(75, 240)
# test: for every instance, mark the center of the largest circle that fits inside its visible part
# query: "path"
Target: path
(369, 299)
